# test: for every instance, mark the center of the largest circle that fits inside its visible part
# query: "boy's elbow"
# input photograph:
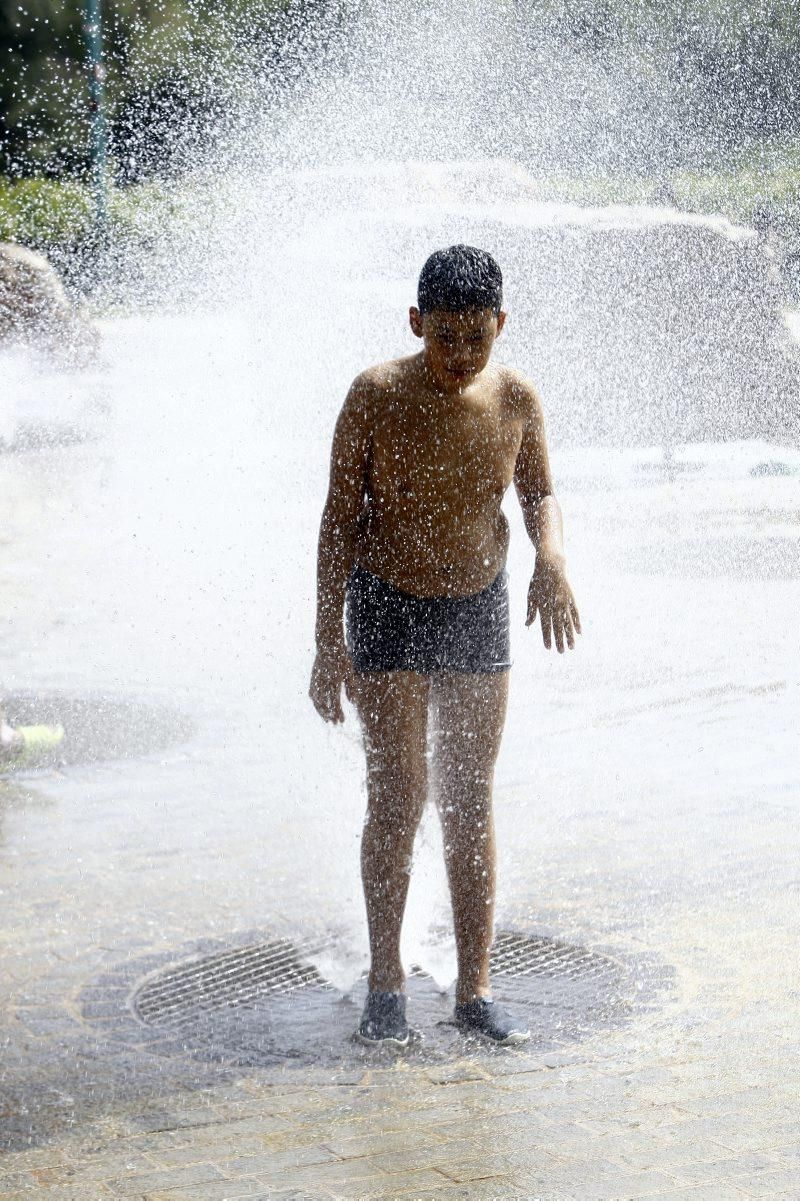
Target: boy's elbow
(338, 519)
(533, 499)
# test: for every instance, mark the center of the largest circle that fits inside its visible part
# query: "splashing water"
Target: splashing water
(175, 552)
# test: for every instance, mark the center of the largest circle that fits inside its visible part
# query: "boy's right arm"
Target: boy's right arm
(338, 537)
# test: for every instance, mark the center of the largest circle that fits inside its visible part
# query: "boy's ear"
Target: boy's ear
(415, 320)
(501, 320)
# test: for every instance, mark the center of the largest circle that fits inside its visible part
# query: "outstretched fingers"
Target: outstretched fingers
(546, 616)
(569, 630)
(558, 613)
(533, 607)
(558, 630)
(560, 624)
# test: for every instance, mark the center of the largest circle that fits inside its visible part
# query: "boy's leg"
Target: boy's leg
(470, 715)
(393, 707)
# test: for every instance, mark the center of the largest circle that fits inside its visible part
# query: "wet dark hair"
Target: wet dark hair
(459, 278)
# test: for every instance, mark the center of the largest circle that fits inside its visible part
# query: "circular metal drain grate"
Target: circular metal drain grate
(263, 1002)
(248, 974)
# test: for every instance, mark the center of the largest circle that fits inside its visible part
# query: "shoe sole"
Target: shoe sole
(382, 1042)
(515, 1039)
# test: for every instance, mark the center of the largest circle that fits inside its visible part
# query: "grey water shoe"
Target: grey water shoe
(487, 1018)
(383, 1022)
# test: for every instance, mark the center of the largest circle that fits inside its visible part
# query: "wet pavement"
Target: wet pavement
(647, 804)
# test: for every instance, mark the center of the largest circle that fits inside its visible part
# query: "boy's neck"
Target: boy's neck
(445, 390)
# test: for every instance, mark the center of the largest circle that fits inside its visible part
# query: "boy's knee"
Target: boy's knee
(390, 778)
(396, 812)
(467, 820)
(465, 792)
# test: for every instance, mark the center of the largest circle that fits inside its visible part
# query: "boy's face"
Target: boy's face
(457, 345)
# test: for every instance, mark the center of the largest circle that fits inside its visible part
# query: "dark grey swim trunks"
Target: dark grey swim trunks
(390, 630)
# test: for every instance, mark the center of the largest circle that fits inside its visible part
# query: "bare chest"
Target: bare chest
(462, 457)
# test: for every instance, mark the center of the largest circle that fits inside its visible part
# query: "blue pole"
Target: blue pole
(93, 32)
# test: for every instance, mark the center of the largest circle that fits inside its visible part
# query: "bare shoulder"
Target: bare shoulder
(358, 411)
(377, 386)
(520, 394)
(382, 378)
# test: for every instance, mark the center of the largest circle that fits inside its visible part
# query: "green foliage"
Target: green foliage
(58, 215)
(43, 212)
(44, 116)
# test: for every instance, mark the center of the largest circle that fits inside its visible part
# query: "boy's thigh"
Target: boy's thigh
(393, 709)
(469, 716)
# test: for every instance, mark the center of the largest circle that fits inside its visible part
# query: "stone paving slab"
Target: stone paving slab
(586, 1164)
(190, 1152)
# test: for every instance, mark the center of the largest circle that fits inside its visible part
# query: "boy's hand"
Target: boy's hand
(550, 595)
(332, 669)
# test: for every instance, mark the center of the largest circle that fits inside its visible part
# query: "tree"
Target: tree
(157, 52)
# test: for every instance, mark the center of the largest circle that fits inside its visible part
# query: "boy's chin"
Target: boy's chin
(455, 381)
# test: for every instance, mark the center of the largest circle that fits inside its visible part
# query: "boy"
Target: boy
(413, 544)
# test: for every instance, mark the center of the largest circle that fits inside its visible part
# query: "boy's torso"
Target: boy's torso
(439, 465)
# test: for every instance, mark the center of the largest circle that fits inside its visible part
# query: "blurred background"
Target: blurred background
(700, 104)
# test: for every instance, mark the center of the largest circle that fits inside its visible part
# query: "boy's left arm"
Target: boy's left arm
(549, 593)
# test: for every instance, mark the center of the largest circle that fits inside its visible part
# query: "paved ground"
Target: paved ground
(650, 808)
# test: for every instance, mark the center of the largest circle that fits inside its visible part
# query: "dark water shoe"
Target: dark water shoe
(490, 1020)
(383, 1022)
